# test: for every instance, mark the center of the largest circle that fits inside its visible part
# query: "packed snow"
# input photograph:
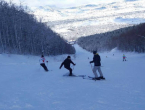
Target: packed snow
(24, 85)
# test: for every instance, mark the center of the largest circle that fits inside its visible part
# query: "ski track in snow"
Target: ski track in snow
(24, 85)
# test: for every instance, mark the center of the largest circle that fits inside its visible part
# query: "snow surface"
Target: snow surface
(24, 85)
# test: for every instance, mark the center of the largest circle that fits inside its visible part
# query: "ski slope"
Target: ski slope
(24, 85)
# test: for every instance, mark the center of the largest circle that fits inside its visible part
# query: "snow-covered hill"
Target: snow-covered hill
(24, 85)
(90, 19)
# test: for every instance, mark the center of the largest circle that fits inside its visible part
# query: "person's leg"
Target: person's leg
(100, 72)
(95, 71)
(45, 68)
(70, 71)
(43, 65)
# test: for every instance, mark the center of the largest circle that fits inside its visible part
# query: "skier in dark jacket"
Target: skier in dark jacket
(97, 66)
(67, 63)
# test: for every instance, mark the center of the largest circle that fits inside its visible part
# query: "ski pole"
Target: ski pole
(73, 68)
(40, 67)
(47, 64)
(91, 67)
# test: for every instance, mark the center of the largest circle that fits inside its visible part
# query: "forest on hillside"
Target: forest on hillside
(22, 33)
(130, 39)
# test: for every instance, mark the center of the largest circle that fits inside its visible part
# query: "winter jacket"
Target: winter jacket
(124, 56)
(96, 60)
(67, 63)
(42, 60)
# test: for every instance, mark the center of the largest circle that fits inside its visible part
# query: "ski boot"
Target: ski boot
(96, 78)
(101, 77)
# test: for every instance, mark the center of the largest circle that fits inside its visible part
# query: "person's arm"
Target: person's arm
(45, 60)
(93, 60)
(72, 62)
(61, 65)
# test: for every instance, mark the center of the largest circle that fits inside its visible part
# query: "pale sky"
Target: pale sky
(61, 3)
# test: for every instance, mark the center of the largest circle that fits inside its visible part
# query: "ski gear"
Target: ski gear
(101, 77)
(91, 78)
(75, 75)
(94, 78)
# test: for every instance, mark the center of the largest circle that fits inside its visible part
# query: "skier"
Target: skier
(66, 64)
(42, 62)
(124, 57)
(97, 64)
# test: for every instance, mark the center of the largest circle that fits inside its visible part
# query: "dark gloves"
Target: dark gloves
(47, 61)
(74, 64)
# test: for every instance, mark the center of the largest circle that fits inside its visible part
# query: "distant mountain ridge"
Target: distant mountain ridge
(130, 0)
(91, 19)
(52, 10)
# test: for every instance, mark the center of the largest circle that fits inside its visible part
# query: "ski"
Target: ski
(89, 78)
(75, 75)
(98, 77)
(80, 75)
(92, 78)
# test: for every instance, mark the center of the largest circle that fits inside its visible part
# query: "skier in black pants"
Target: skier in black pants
(97, 66)
(42, 62)
(67, 63)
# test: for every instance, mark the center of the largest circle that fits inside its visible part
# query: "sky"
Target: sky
(60, 3)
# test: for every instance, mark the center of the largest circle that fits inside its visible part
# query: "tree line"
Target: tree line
(22, 33)
(126, 39)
